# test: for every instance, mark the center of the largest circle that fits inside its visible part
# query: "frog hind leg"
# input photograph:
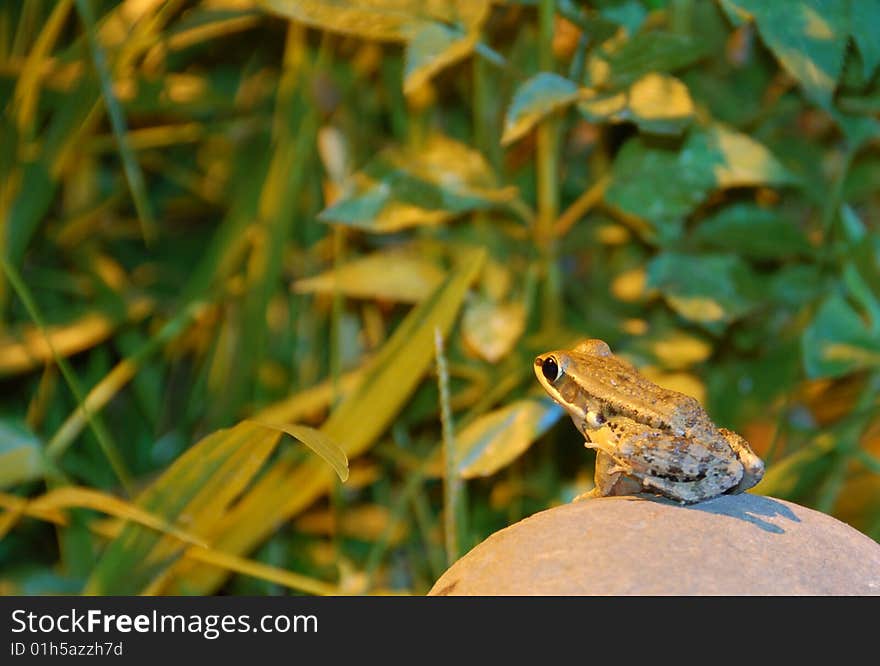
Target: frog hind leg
(753, 466)
(680, 469)
(685, 492)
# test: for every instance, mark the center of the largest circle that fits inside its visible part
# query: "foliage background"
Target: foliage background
(360, 222)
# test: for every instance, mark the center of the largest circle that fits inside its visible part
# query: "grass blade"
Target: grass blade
(55, 501)
(363, 415)
(133, 173)
(318, 442)
(199, 485)
(100, 431)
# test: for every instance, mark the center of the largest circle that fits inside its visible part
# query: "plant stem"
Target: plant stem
(451, 482)
(336, 313)
(581, 206)
(548, 179)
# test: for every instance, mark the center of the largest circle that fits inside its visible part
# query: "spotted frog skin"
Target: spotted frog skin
(647, 438)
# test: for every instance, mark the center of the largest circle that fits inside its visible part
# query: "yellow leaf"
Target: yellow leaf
(366, 522)
(745, 161)
(682, 382)
(681, 350)
(387, 275)
(496, 439)
(603, 106)
(634, 326)
(656, 102)
(629, 286)
(491, 329)
(613, 234)
(660, 97)
(386, 20)
(697, 308)
(301, 405)
(29, 349)
(50, 503)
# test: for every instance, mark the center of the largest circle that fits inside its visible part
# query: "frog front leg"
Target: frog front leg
(609, 479)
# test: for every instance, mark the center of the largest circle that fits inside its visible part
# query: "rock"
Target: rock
(731, 545)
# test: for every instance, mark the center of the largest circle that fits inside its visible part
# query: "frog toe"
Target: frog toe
(753, 466)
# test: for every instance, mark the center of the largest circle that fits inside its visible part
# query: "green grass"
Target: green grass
(221, 214)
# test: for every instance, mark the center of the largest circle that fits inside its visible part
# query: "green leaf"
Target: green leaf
(838, 341)
(657, 103)
(796, 285)
(853, 228)
(385, 20)
(593, 26)
(618, 63)
(860, 290)
(740, 386)
(498, 438)
(732, 95)
(198, 486)
(628, 13)
(808, 37)
(331, 452)
(535, 99)
(21, 454)
(433, 48)
(857, 129)
(653, 184)
(709, 289)
(662, 186)
(862, 268)
(734, 158)
(752, 231)
(423, 186)
(389, 275)
(864, 21)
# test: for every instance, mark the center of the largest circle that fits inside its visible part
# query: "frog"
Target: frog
(648, 439)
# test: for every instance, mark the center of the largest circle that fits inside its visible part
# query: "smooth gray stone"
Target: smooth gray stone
(731, 545)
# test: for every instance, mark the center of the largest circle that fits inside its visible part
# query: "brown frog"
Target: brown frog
(647, 438)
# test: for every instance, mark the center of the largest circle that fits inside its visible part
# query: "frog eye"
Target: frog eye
(595, 419)
(551, 369)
